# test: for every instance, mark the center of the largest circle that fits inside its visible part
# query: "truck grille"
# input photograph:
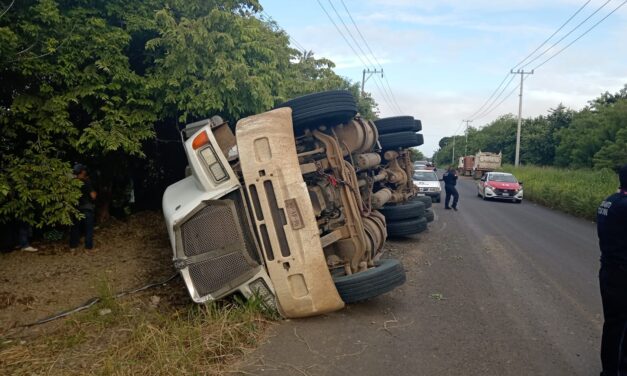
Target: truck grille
(511, 192)
(212, 275)
(219, 248)
(210, 229)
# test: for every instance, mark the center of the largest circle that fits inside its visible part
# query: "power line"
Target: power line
(552, 35)
(388, 90)
(389, 94)
(490, 97)
(350, 34)
(579, 37)
(483, 110)
(360, 34)
(503, 100)
(384, 95)
(392, 93)
(567, 34)
(365, 41)
(292, 39)
(341, 34)
(490, 106)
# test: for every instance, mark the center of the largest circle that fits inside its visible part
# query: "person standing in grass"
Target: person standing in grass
(450, 180)
(611, 227)
(87, 207)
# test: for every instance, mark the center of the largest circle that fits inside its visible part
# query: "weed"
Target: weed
(137, 339)
(437, 296)
(577, 192)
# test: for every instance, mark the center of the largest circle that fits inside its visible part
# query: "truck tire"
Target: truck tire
(384, 277)
(406, 227)
(395, 124)
(417, 126)
(410, 209)
(429, 215)
(424, 199)
(400, 140)
(325, 108)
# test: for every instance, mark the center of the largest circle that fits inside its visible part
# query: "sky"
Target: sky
(444, 59)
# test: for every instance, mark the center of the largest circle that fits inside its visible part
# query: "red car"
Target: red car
(500, 185)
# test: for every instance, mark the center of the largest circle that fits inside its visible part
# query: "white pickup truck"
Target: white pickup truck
(285, 207)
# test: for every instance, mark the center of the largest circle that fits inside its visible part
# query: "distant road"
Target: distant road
(493, 289)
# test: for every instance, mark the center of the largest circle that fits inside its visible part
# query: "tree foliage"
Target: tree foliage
(416, 155)
(89, 81)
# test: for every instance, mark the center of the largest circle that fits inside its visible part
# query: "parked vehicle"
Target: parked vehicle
(428, 184)
(467, 165)
(286, 207)
(420, 165)
(500, 185)
(485, 162)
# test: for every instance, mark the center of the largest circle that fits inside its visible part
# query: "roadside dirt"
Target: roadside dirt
(128, 254)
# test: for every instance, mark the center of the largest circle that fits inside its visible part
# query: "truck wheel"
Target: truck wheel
(324, 108)
(406, 227)
(411, 209)
(384, 277)
(417, 126)
(400, 140)
(395, 124)
(429, 215)
(424, 199)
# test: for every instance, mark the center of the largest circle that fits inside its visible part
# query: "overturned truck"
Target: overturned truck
(286, 207)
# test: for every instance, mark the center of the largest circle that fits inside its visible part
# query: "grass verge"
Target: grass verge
(578, 192)
(135, 337)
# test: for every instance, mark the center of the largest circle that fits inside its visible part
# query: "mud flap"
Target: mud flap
(283, 215)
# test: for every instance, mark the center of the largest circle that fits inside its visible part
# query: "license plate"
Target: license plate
(505, 194)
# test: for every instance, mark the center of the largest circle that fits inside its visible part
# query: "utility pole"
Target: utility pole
(364, 79)
(453, 156)
(521, 73)
(466, 144)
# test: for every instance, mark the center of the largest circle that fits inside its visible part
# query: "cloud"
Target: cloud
(453, 21)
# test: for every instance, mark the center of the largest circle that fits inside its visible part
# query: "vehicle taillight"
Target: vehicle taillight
(200, 140)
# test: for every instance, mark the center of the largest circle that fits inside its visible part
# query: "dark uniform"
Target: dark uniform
(450, 180)
(87, 207)
(612, 229)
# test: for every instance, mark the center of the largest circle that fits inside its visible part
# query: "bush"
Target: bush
(574, 191)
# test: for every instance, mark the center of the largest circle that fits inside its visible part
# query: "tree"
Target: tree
(93, 82)
(67, 91)
(416, 155)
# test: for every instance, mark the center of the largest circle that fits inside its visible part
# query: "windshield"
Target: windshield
(425, 176)
(503, 178)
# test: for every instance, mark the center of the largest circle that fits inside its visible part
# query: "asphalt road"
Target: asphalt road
(493, 289)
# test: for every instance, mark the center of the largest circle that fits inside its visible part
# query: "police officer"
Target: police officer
(87, 206)
(450, 180)
(612, 227)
